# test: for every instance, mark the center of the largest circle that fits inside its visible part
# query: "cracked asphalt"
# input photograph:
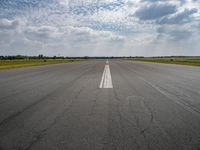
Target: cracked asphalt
(61, 107)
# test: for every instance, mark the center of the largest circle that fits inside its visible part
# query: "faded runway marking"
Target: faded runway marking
(106, 80)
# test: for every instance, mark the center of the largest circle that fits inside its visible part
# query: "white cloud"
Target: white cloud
(6, 24)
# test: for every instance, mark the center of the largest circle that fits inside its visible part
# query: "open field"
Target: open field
(9, 64)
(192, 61)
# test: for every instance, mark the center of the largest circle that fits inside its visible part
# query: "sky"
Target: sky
(100, 27)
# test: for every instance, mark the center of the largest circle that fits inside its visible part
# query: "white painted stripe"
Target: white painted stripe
(102, 78)
(107, 62)
(106, 80)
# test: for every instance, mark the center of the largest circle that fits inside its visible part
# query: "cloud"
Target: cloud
(69, 33)
(98, 27)
(89, 7)
(174, 34)
(155, 11)
(8, 30)
(180, 34)
(180, 17)
(6, 24)
(43, 33)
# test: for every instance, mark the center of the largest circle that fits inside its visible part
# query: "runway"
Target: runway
(99, 105)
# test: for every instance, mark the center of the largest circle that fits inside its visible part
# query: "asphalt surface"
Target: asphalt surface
(61, 107)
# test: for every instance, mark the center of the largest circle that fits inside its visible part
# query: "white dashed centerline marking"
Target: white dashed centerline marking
(106, 80)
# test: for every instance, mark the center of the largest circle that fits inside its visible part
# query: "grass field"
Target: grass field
(191, 61)
(9, 64)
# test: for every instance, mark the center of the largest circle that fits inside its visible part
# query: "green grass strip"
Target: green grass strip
(10, 64)
(179, 61)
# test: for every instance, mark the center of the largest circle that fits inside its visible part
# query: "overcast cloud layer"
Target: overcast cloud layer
(100, 27)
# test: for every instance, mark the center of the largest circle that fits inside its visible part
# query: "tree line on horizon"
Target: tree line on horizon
(22, 57)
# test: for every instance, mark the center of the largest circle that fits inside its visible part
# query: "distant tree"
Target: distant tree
(86, 57)
(20, 57)
(40, 56)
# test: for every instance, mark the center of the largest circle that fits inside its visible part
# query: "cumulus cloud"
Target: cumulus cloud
(43, 33)
(8, 29)
(174, 34)
(6, 24)
(180, 17)
(155, 11)
(68, 33)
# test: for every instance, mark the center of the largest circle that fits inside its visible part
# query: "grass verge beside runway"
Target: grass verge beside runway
(191, 61)
(10, 64)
